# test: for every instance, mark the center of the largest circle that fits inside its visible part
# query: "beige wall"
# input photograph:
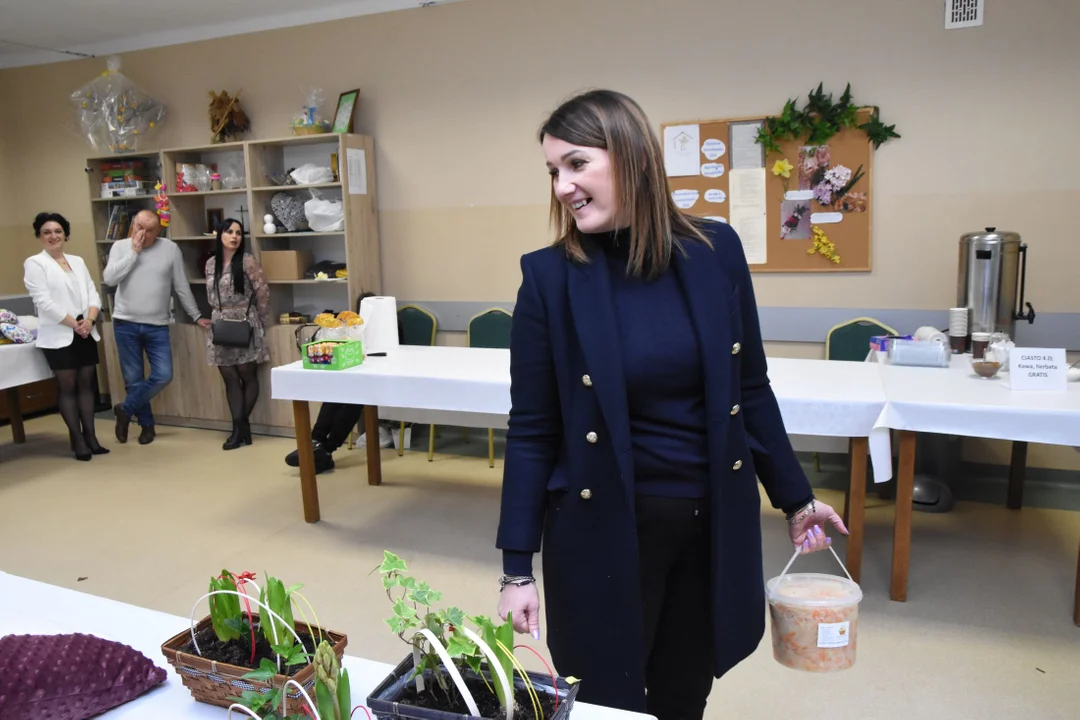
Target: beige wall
(453, 95)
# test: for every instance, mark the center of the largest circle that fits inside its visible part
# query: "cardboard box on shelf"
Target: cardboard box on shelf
(285, 264)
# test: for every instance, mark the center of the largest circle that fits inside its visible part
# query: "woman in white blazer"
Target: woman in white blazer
(67, 307)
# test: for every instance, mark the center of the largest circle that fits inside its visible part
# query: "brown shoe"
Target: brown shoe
(147, 435)
(123, 422)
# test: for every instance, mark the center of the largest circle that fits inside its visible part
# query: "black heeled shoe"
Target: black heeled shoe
(247, 432)
(84, 457)
(235, 439)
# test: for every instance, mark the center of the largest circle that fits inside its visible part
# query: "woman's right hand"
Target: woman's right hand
(524, 602)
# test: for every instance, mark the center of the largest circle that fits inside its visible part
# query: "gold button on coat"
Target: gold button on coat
(735, 410)
(737, 465)
(586, 381)
(591, 437)
(736, 348)
(586, 494)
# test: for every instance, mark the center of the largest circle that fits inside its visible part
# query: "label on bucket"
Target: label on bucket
(834, 635)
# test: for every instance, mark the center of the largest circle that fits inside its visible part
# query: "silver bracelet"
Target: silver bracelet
(516, 580)
(802, 514)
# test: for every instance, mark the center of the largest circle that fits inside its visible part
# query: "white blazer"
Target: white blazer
(55, 297)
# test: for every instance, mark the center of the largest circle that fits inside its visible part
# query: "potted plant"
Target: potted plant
(333, 695)
(453, 672)
(249, 648)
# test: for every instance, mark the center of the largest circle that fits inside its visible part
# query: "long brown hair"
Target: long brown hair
(614, 122)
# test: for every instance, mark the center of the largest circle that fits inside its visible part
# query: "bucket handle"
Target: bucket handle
(799, 552)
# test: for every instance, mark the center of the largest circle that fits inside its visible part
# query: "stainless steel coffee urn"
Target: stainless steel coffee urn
(990, 282)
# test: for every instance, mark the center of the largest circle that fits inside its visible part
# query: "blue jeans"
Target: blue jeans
(132, 339)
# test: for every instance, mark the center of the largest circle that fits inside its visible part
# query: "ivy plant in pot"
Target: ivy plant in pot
(454, 672)
(249, 647)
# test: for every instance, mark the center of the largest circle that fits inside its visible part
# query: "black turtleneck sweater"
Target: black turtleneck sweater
(665, 386)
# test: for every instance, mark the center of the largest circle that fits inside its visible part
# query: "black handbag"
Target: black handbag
(232, 333)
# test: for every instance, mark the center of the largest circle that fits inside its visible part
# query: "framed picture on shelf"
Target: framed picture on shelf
(346, 111)
(214, 218)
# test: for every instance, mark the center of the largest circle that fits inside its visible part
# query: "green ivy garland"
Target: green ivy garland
(820, 120)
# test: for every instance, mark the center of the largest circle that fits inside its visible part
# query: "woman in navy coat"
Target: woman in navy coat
(641, 419)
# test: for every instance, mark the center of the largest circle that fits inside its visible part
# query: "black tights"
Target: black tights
(76, 403)
(241, 389)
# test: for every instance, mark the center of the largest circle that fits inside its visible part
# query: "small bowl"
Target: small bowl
(985, 368)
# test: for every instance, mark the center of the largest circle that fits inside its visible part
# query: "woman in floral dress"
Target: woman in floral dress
(237, 290)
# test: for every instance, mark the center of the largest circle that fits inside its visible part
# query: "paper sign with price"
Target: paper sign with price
(1037, 369)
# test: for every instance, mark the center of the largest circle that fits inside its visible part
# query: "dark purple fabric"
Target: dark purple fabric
(69, 677)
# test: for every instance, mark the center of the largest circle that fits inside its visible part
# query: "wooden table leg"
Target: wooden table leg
(309, 486)
(18, 432)
(1017, 470)
(856, 506)
(905, 486)
(1076, 595)
(371, 434)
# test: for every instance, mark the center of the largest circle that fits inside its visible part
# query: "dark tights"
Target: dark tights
(76, 403)
(241, 389)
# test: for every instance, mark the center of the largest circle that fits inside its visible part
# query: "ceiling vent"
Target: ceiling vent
(963, 13)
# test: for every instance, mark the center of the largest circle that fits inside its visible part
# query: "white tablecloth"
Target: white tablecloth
(37, 608)
(22, 364)
(471, 387)
(955, 401)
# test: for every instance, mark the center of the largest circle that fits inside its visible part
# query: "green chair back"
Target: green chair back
(417, 326)
(850, 341)
(490, 329)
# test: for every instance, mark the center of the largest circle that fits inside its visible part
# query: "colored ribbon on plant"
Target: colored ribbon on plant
(525, 676)
(451, 670)
(554, 682)
(271, 613)
(496, 668)
(238, 582)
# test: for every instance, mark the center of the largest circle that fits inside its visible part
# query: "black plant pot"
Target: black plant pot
(385, 700)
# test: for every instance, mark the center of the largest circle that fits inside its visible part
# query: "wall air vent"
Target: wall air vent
(963, 13)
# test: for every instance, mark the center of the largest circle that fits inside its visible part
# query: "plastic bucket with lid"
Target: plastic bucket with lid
(815, 619)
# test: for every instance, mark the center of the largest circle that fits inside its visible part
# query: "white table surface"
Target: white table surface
(956, 401)
(471, 387)
(32, 607)
(22, 364)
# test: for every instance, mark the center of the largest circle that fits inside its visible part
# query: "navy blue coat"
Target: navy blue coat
(574, 490)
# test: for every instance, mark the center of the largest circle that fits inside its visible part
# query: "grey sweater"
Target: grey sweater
(144, 282)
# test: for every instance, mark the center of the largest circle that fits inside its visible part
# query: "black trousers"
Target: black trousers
(676, 572)
(335, 422)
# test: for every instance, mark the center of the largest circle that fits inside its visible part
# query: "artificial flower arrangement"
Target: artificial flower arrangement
(455, 672)
(249, 650)
(823, 246)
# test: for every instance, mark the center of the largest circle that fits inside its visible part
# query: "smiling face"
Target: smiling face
(583, 181)
(53, 237)
(232, 236)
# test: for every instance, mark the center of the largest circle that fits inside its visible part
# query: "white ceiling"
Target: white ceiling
(102, 27)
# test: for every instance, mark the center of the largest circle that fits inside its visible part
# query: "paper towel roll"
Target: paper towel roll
(380, 318)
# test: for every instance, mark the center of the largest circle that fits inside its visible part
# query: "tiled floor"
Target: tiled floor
(986, 633)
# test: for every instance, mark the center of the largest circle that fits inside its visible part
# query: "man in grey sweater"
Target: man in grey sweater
(145, 269)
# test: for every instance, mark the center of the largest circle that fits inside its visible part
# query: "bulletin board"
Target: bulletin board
(717, 169)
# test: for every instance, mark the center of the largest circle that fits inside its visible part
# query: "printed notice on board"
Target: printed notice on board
(746, 196)
(681, 147)
(356, 159)
(746, 152)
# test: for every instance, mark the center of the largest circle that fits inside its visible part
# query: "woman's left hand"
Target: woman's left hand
(808, 527)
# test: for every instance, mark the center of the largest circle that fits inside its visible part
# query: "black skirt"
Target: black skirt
(81, 352)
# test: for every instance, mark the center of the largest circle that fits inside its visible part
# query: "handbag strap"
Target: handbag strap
(217, 289)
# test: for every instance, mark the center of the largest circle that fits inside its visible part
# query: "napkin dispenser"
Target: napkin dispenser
(919, 353)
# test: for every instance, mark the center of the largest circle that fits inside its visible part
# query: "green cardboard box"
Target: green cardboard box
(333, 354)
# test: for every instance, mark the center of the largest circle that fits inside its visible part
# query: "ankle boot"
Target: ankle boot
(246, 426)
(236, 438)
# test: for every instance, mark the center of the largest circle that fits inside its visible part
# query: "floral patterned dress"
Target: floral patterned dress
(229, 304)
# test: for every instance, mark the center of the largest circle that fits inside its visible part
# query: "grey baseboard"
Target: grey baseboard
(803, 324)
